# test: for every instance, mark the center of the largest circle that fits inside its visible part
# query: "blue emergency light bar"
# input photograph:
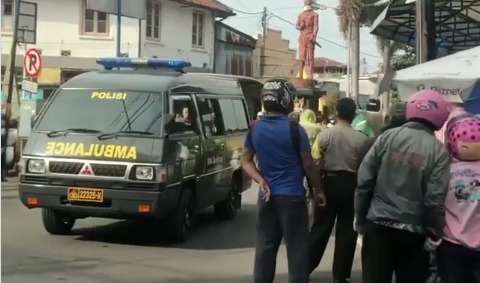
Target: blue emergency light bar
(110, 63)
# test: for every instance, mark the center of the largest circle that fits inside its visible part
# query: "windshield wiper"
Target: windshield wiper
(71, 130)
(107, 136)
(126, 115)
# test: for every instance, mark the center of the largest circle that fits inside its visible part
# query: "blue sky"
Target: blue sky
(289, 9)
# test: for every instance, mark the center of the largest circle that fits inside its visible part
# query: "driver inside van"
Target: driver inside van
(183, 117)
(182, 121)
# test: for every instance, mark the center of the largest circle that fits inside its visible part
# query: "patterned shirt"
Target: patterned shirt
(401, 226)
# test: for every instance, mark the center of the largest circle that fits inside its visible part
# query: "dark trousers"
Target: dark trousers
(458, 264)
(339, 191)
(287, 218)
(387, 251)
(4, 168)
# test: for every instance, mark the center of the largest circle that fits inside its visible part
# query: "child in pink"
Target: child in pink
(455, 110)
(459, 253)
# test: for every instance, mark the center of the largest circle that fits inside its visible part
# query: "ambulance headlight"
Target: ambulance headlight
(36, 166)
(144, 173)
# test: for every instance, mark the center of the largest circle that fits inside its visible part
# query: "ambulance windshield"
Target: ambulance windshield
(103, 111)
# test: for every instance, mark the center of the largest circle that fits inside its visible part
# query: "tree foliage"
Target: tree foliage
(404, 58)
(363, 12)
(349, 12)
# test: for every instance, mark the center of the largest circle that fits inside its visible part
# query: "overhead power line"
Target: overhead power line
(320, 37)
(292, 24)
(246, 13)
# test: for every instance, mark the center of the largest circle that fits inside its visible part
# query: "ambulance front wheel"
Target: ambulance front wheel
(181, 220)
(57, 223)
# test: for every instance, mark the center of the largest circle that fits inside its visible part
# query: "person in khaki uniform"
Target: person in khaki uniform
(340, 149)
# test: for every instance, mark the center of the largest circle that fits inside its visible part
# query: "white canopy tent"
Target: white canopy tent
(454, 76)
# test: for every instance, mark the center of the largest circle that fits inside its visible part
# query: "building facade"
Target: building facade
(324, 68)
(71, 37)
(280, 60)
(233, 51)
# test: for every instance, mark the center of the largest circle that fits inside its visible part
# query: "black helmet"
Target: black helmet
(278, 96)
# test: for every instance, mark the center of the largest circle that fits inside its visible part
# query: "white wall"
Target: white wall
(176, 36)
(59, 28)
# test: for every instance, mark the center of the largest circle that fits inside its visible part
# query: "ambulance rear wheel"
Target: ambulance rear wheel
(181, 221)
(57, 223)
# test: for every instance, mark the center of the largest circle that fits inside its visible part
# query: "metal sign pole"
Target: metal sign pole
(25, 47)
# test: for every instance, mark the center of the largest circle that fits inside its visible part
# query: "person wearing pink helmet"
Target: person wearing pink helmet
(400, 196)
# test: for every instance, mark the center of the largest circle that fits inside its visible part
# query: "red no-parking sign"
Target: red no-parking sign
(32, 62)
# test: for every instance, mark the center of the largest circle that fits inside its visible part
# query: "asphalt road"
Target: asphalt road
(105, 251)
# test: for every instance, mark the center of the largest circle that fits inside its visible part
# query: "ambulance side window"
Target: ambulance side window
(228, 114)
(182, 116)
(209, 111)
(234, 115)
(240, 115)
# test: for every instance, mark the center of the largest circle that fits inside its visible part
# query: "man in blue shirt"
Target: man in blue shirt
(284, 158)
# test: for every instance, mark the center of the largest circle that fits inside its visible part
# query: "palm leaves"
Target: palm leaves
(350, 13)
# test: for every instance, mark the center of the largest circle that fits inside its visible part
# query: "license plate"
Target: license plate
(84, 194)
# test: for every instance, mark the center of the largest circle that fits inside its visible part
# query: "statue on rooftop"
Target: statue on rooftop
(307, 24)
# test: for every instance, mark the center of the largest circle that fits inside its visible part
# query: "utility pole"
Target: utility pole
(264, 42)
(13, 54)
(421, 32)
(355, 42)
(349, 61)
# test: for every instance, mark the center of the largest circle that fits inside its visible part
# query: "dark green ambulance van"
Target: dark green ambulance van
(139, 139)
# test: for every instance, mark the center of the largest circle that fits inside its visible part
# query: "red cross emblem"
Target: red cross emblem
(87, 170)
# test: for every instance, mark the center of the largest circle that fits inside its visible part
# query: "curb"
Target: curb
(10, 184)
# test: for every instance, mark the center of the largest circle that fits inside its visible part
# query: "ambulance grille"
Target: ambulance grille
(109, 170)
(62, 167)
(74, 168)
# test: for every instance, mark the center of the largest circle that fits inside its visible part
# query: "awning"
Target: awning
(456, 76)
(458, 23)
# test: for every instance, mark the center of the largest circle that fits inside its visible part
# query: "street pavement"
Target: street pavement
(107, 251)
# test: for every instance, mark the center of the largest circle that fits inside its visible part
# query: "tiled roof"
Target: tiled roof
(320, 62)
(214, 5)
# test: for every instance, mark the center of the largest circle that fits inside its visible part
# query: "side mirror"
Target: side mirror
(33, 119)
